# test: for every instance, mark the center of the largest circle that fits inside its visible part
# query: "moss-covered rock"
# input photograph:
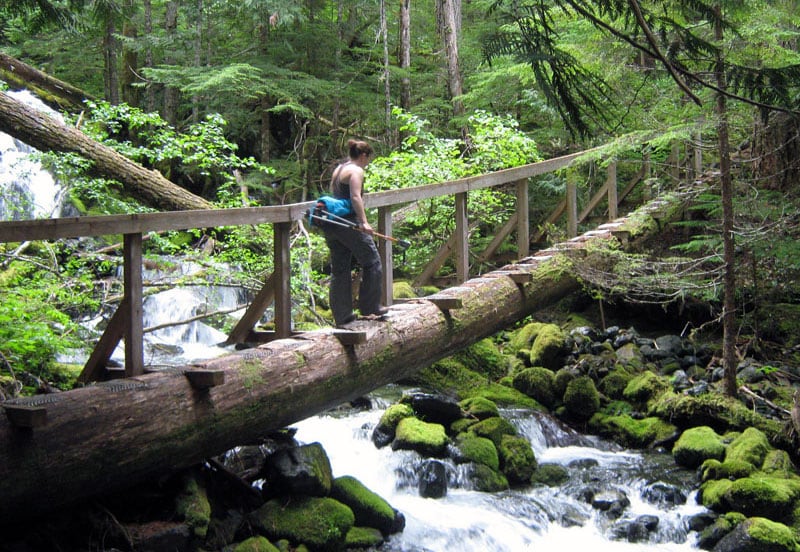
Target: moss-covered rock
(493, 429)
(305, 469)
(537, 382)
(363, 537)
(427, 439)
(696, 445)
(192, 505)
(402, 289)
(484, 357)
(644, 387)
(581, 399)
(613, 385)
(480, 450)
(517, 459)
(384, 431)
(758, 534)
(523, 337)
(321, 523)
(369, 508)
(255, 544)
(751, 446)
(548, 349)
(712, 494)
(778, 463)
(562, 378)
(770, 497)
(551, 475)
(479, 408)
(723, 525)
(632, 432)
(487, 480)
(730, 469)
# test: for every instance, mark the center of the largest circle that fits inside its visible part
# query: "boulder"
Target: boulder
(434, 408)
(470, 447)
(320, 523)
(369, 508)
(517, 459)
(384, 431)
(427, 439)
(697, 444)
(304, 470)
(432, 480)
(758, 535)
(538, 383)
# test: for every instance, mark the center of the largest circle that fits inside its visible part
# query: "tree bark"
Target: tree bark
(130, 59)
(44, 133)
(451, 29)
(58, 94)
(171, 94)
(110, 436)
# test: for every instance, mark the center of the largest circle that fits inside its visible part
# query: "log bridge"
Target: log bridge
(127, 425)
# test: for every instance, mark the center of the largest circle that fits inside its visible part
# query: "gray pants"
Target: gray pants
(344, 244)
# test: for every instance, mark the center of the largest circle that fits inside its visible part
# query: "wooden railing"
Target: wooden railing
(126, 322)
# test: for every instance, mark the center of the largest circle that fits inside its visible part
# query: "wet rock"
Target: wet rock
(428, 439)
(385, 430)
(434, 408)
(302, 470)
(433, 480)
(670, 344)
(680, 381)
(369, 508)
(612, 503)
(663, 494)
(758, 535)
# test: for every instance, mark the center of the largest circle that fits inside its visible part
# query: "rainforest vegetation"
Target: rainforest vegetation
(251, 103)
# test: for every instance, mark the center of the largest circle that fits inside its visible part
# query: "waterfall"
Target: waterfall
(533, 518)
(27, 191)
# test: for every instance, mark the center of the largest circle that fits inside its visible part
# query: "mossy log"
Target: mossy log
(56, 93)
(42, 132)
(110, 435)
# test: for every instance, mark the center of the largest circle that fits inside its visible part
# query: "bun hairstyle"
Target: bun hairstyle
(357, 148)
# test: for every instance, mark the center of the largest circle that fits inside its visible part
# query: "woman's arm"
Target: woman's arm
(357, 200)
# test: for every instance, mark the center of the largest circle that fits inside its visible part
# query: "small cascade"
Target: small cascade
(27, 191)
(529, 518)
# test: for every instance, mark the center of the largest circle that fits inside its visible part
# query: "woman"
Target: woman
(347, 182)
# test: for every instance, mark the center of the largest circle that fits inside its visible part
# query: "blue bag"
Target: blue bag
(327, 206)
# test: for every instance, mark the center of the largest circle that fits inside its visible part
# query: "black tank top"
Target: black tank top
(339, 189)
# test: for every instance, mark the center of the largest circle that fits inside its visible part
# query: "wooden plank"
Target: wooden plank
(283, 287)
(611, 185)
(351, 337)
(385, 252)
(134, 340)
(444, 302)
(499, 237)
(253, 313)
(204, 379)
(26, 416)
(572, 206)
(462, 238)
(94, 368)
(523, 218)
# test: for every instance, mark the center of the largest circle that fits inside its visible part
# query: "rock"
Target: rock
(581, 398)
(479, 408)
(302, 470)
(697, 444)
(487, 480)
(551, 475)
(493, 429)
(321, 523)
(470, 447)
(363, 538)
(680, 381)
(750, 446)
(369, 508)
(611, 503)
(434, 408)
(548, 348)
(433, 480)
(664, 494)
(672, 345)
(193, 507)
(255, 544)
(384, 432)
(758, 535)
(517, 459)
(429, 440)
(538, 383)
(770, 497)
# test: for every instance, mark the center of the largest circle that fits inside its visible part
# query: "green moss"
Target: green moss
(487, 480)
(712, 494)
(319, 523)
(750, 447)
(551, 475)
(194, 507)
(644, 387)
(778, 463)
(403, 290)
(697, 445)
(255, 544)
(485, 358)
(426, 438)
(581, 398)
(562, 378)
(730, 469)
(462, 425)
(396, 412)
(538, 383)
(369, 508)
(363, 537)
(636, 433)
(548, 347)
(614, 384)
(771, 497)
(479, 407)
(523, 337)
(517, 459)
(481, 450)
(770, 533)
(493, 429)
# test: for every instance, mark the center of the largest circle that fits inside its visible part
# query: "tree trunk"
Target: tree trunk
(110, 61)
(405, 54)
(130, 59)
(387, 80)
(729, 361)
(58, 94)
(451, 27)
(110, 436)
(171, 94)
(150, 94)
(44, 133)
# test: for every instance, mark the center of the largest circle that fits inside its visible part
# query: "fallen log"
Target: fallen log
(59, 448)
(56, 93)
(44, 133)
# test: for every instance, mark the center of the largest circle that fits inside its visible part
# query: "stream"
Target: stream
(535, 518)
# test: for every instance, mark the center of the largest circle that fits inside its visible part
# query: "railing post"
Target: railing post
(523, 222)
(572, 205)
(132, 275)
(462, 238)
(283, 275)
(385, 252)
(611, 184)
